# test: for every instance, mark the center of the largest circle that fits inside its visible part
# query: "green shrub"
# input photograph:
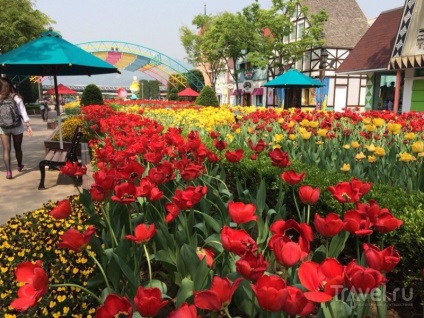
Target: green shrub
(91, 96)
(207, 97)
(173, 94)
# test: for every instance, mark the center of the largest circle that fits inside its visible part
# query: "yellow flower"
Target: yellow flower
(420, 155)
(237, 131)
(278, 137)
(378, 122)
(292, 136)
(394, 128)
(306, 135)
(370, 128)
(355, 144)
(291, 124)
(366, 120)
(313, 124)
(322, 132)
(301, 130)
(372, 159)
(409, 136)
(345, 167)
(418, 146)
(346, 147)
(319, 142)
(360, 156)
(370, 148)
(379, 152)
(250, 130)
(406, 157)
(230, 137)
(280, 120)
(304, 123)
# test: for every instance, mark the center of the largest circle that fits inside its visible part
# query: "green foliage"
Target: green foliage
(28, 91)
(91, 96)
(173, 94)
(207, 97)
(20, 23)
(149, 89)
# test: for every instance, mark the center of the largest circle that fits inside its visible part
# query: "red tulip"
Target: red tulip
(322, 281)
(186, 199)
(173, 211)
(309, 195)
(148, 301)
(295, 302)
(234, 156)
(220, 144)
(382, 261)
(242, 213)
(115, 306)
(237, 241)
(344, 192)
(62, 210)
(35, 285)
(286, 252)
(259, 147)
(361, 279)
(185, 311)
(143, 233)
(251, 266)
(357, 223)
(303, 233)
(363, 187)
(218, 296)
(279, 158)
(292, 178)
(328, 226)
(125, 193)
(76, 241)
(73, 169)
(269, 292)
(205, 253)
(386, 222)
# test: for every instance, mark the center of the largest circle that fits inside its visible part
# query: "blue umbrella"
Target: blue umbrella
(51, 55)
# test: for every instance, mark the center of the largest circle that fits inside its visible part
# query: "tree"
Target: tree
(20, 23)
(230, 35)
(206, 57)
(91, 96)
(207, 97)
(273, 27)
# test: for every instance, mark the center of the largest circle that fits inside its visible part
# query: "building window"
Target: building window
(259, 100)
(300, 29)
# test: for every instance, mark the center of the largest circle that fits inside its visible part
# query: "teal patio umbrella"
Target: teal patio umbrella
(51, 55)
(293, 79)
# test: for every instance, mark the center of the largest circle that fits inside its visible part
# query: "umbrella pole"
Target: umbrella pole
(59, 121)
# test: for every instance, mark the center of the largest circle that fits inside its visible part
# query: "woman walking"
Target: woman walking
(8, 93)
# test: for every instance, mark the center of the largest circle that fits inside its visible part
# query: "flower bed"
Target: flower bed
(175, 228)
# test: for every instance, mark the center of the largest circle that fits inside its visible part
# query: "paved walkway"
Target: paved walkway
(21, 193)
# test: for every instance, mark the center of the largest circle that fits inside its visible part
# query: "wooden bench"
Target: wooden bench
(57, 158)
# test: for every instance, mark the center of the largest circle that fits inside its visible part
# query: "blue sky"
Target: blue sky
(151, 23)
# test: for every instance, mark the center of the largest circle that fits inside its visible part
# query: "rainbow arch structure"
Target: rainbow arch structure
(132, 57)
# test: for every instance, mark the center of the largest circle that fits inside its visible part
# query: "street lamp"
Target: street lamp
(142, 91)
(323, 63)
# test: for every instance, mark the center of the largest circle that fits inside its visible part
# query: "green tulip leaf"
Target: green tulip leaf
(132, 279)
(185, 291)
(337, 244)
(187, 261)
(201, 275)
(212, 223)
(319, 254)
(339, 308)
(261, 198)
(165, 256)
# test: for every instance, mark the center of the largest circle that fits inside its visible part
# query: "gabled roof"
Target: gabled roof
(374, 49)
(346, 22)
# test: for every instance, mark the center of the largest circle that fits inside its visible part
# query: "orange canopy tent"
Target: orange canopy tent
(188, 92)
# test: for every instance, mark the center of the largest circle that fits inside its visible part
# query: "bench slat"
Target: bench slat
(50, 155)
